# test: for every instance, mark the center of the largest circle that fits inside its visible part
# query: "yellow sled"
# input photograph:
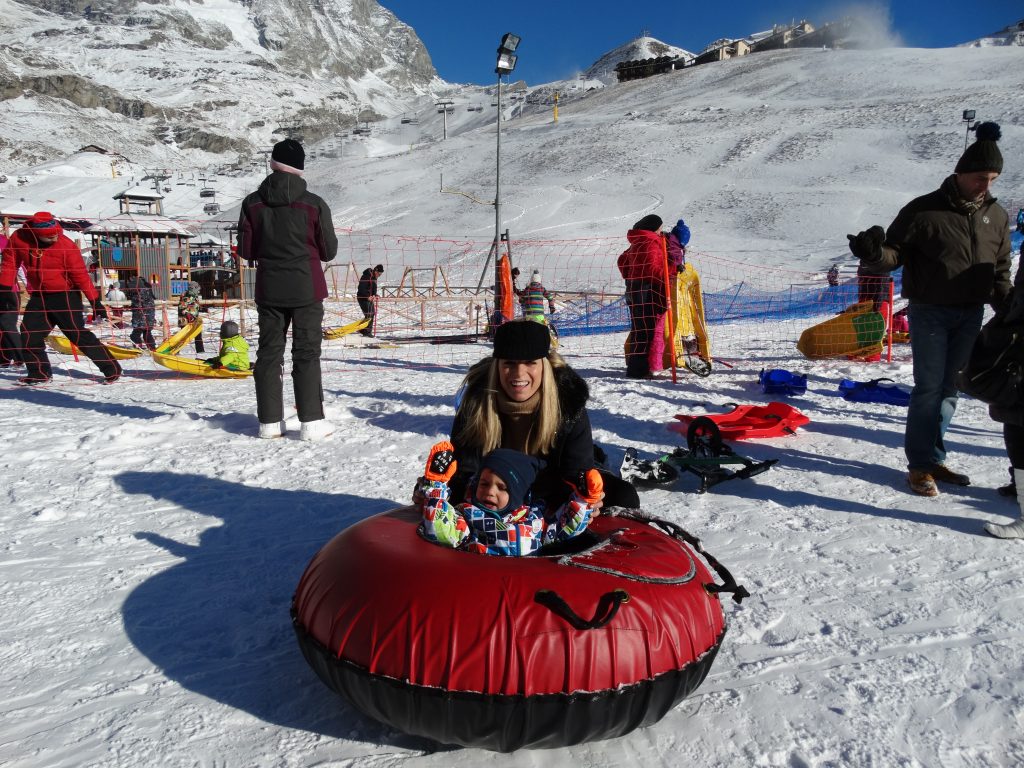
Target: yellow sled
(63, 345)
(857, 331)
(173, 343)
(345, 330)
(167, 356)
(198, 367)
(691, 345)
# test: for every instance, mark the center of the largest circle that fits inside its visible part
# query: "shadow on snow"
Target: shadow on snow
(217, 622)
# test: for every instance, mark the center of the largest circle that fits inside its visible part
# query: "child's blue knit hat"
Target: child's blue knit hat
(517, 469)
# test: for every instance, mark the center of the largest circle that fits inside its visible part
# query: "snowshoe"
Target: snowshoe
(644, 472)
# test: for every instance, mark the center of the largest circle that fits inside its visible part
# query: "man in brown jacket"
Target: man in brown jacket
(954, 247)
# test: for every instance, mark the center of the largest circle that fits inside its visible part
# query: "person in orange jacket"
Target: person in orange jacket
(57, 278)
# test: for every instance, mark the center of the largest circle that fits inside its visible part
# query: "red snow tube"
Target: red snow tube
(503, 653)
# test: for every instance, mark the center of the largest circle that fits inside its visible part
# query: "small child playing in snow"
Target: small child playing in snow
(533, 297)
(498, 518)
(189, 307)
(234, 350)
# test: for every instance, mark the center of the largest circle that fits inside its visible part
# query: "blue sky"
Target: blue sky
(561, 37)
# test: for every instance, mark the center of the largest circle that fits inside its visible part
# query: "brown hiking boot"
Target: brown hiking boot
(922, 483)
(943, 474)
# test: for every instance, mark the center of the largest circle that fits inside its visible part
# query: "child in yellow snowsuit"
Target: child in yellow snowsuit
(234, 350)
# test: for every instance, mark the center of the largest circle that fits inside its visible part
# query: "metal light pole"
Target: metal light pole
(497, 177)
(506, 63)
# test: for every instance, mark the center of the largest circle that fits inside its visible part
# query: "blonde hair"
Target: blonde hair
(482, 424)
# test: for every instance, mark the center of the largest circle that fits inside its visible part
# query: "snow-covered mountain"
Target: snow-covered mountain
(184, 83)
(1010, 35)
(641, 48)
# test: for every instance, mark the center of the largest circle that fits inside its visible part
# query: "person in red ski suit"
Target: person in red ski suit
(642, 266)
(57, 278)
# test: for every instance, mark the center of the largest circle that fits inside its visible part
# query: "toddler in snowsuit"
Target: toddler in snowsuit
(189, 307)
(498, 518)
(140, 293)
(234, 350)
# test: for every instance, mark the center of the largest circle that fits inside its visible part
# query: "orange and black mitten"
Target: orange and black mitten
(441, 463)
(589, 486)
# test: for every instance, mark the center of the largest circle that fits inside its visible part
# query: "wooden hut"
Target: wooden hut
(141, 240)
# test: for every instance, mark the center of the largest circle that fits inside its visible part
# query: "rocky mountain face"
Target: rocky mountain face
(187, 80)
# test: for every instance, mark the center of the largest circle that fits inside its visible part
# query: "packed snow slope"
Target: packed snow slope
(779, 151)
(150, 543)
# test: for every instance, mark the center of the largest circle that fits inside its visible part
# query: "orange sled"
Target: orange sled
(749, 421)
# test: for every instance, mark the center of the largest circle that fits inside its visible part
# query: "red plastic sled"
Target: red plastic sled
(750, 421)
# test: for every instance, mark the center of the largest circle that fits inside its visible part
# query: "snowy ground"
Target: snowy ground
(151, 546)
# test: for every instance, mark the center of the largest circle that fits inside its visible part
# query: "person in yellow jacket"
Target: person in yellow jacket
(234, 350)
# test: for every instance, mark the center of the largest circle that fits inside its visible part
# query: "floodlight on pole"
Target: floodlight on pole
(971, 126)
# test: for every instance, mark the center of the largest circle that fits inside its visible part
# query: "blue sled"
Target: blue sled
(875, 391)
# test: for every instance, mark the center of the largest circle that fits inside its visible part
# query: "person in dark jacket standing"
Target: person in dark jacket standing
(286, 231)
(954, 247)
(57, 278)
(366, 295)
(1012, 419)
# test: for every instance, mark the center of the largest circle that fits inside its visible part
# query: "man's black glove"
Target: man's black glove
(1013, 313)
(99, 312)
(867, 245)
(8, 298)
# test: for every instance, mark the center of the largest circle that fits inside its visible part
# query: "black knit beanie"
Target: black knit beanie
(289, 152)
(521, 340)
(518, 470)
(649, 223)
(983, 155)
